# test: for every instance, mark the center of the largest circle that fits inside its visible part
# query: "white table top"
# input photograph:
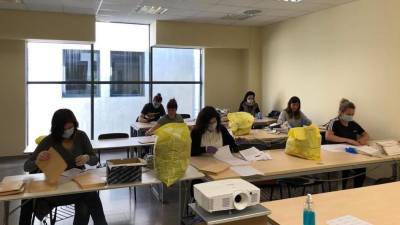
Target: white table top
(376, 204)
(111, 143)
(283, 165)
(70, 187)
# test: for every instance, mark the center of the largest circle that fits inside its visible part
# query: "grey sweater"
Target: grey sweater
(293, 122)
(81, 146)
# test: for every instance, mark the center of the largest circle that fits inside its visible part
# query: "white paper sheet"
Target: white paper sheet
(224, 154)
(335, 147)
(147, 140)
(347, 220)
(71, 173)
(245, 171)
(253, 154)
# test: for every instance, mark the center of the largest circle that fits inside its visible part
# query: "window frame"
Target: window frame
(93, 82)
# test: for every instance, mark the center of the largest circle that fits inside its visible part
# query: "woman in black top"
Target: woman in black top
(249, 104)
(75, 148)
(209, 134)
(152, 111)
(343, 129)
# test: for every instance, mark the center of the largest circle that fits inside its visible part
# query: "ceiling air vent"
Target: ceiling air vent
(241, 16)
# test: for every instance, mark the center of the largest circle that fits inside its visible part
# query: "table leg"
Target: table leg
(184, 197)
(6, 212)
(395, 170)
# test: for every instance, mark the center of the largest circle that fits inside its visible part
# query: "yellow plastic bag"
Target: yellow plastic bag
(172, 152)
(304, 142)
(240, 123)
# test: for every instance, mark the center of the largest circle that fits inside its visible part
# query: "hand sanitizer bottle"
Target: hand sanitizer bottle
(308, 213)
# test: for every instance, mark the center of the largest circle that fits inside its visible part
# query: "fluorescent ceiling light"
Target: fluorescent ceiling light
(292, 1)
(153, 10)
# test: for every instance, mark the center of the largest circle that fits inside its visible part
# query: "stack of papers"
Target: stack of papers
(253, 154)
(11, 187)
(347, 220)
(224, 154)
(245, 171)
(389, 147)
(368, 150)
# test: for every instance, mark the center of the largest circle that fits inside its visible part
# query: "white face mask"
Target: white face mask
(212, 127)
(68, 133)
(347, 118)
(156, 105)
(250, 101)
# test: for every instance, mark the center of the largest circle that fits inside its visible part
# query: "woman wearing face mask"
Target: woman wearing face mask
(293, 115)
(208, 134)
(344, 129)
(249, 104)
(152, 111)
(75, 148)
(170, 117)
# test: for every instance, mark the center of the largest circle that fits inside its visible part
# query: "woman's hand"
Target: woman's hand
(353, 142)
(211, 149)
(81, 160)
(43, 156)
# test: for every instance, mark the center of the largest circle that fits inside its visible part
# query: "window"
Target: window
(76, 69)
(177, 74)
(60, 76)
(127, 66)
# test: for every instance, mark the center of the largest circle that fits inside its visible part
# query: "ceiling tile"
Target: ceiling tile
(246, 3)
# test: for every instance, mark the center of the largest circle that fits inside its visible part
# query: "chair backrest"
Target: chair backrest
(185, 116)
(113, 136)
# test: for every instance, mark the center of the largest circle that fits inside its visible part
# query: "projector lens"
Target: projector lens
(238, 198)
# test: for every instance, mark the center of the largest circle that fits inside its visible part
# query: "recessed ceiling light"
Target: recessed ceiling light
(153, 10)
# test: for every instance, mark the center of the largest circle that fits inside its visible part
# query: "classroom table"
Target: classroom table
(110, 144)
(376, 204)
(139, 128)
(283, 165)
(262, 135)
(70, 187)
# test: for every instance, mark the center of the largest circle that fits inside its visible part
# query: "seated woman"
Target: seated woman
(171, 117)
(292, 115)
(343, 129)
(249, 104)
(209, 134)
(152, 111)
(75, 148)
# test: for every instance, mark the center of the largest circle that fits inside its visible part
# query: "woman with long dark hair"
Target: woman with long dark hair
(292, 115)
(75, 148)
(209, 134)
(343, 129)
(249, 104)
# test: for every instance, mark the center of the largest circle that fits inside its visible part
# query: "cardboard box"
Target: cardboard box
(120, 171)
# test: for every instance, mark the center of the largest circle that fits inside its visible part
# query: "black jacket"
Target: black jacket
(196, 135)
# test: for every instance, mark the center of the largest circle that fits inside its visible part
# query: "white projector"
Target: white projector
(226, 195)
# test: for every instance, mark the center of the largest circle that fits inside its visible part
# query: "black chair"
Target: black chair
(300, 182)
(185, 116)
(112, 136)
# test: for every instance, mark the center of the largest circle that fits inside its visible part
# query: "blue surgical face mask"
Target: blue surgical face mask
(346, 118)
(156, 105)
(68, 133)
